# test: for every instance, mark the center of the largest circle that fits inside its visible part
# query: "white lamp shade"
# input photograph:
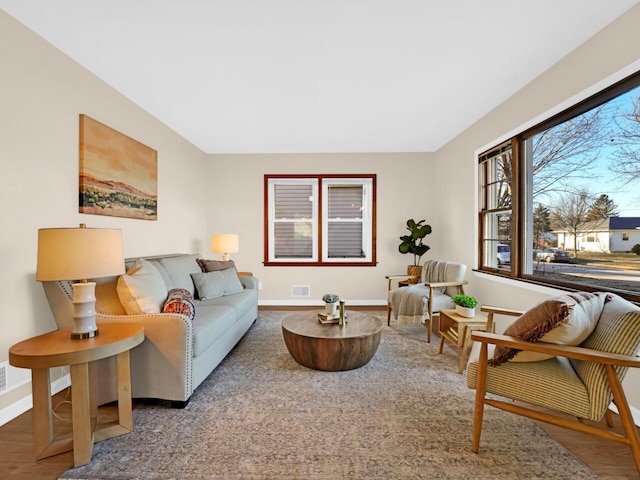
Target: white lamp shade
(224, 243)
(79, 253)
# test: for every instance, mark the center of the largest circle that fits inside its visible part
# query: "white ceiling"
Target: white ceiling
(280, 76)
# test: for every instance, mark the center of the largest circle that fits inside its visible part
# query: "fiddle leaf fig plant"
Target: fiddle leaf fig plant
(414, 242)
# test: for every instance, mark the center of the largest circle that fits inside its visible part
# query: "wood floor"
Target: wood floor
(609, 460)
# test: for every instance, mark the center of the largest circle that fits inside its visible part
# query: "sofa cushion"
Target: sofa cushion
(216, 284)
(242, 302)
(564, 320)
(141, 289)
(180, 301)
(180, 269)
(215, 265)
(163, 273)
(209, 325)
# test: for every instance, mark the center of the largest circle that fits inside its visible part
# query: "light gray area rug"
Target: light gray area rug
(260, 415)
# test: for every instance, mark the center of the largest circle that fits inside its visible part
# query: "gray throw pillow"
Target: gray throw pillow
(216, 284)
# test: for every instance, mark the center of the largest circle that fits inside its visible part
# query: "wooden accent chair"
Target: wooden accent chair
(577, 381)
(422, 301)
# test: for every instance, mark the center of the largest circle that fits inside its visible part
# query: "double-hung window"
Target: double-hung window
(323, 220)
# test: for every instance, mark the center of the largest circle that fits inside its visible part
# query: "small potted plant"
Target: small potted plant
(465, 305)
(330, 303)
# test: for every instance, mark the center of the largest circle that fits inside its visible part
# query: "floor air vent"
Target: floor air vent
(300, 291)
(11, 377)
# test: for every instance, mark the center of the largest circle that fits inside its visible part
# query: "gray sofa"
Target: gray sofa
(177, 353)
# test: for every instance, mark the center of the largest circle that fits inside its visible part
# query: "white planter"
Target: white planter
(331, 308)
(466, 312)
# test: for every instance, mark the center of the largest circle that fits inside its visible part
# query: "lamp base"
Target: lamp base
(81, 335)
(84, 312)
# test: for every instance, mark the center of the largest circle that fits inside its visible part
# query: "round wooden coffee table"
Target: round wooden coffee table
(331, 347)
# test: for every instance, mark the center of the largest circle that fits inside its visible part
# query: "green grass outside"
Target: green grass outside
(624, 260)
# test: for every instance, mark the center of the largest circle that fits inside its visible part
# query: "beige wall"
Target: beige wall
(235, 204)
(42, 92)
(606, 58)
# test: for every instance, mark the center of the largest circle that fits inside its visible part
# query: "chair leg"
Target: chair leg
(609, 418)
(478, 411)
(625, 414)
(427, 324)
(388, 314)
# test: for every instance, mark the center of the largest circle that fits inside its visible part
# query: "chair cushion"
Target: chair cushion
(564, 320)
(141, 289)
(618, 333)
(550, 383)
(442, 271)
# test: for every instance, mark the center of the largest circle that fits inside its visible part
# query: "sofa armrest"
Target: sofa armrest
(250, 282)
(164, 330)
(161, 364)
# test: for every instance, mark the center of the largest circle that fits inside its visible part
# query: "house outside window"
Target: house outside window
(567, 185)
(322, 220)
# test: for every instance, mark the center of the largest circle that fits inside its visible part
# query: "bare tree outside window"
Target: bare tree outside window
(626, 158)
(566, 152)
(570, 214)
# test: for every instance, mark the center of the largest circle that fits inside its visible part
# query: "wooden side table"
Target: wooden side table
(58, 349)
(457, 329)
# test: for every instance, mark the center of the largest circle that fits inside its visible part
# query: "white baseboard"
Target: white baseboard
(18, 408)
(635, 413)
(319, 304)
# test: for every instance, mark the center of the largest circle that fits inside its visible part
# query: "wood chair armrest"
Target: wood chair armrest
(578, 353)
(445, 284)
(501, 311)
(391, 278)
(245, 274)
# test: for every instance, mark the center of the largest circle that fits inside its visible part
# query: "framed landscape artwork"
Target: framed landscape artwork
(118, 175)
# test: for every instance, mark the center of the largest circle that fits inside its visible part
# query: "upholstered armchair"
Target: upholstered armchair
(421, 301)
(564, 358)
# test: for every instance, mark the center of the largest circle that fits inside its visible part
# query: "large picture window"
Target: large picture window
(564, 197)
(322, 220)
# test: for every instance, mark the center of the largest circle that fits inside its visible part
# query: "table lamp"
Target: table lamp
(224, 243)
(79, 254)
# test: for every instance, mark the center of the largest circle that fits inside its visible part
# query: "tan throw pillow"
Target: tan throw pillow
(563, 320)
(141, 289)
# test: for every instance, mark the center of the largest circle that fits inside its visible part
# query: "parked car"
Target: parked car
(551, 255)
(504, 254)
